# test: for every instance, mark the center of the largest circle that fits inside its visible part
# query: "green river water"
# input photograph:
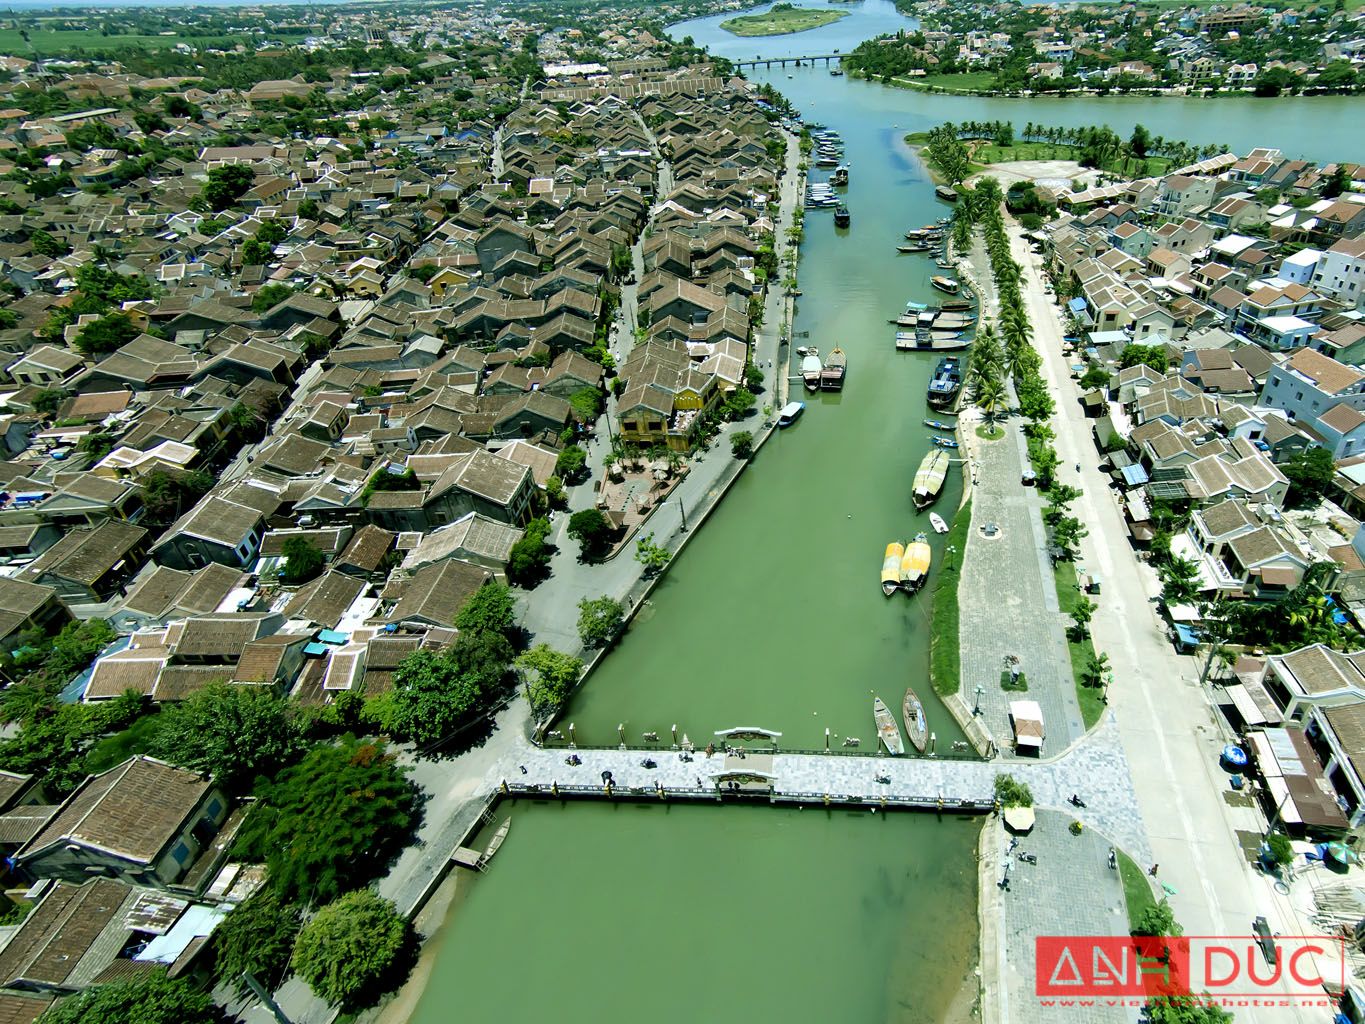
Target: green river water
(773, 618)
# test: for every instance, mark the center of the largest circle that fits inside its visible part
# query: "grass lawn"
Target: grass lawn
(115, 749)
(48, 41)
(945, 668)
(991, 433)
(1137, 892)
(781, 23)
(1068, 596)
(987, 153)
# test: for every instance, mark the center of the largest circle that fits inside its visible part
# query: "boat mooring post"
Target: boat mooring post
(572, 742)
(674, 731)
(933, 744)
(826, 739)
(621, 734)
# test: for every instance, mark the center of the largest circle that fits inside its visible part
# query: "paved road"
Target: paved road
(1169, 730)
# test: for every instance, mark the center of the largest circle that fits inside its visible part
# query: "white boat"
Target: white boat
(887, 730)
(789, 413)
(937, 522)
(810, 369)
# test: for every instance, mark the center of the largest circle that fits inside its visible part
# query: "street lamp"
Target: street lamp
(950, 551)
(979, 691)
(683, 509)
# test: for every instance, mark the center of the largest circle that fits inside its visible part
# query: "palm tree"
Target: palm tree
(992, 398)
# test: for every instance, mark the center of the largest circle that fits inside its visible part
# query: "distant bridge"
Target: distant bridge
(767, 62)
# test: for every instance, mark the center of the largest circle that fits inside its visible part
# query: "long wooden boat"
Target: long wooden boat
(887, 731)
(915, 563)
(916, 725)
(946, 192)
(944, 284)
(933, 470)
(909, 341)
(810, 369)
(891, 567)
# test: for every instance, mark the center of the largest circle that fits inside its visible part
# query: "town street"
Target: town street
(1167, 725)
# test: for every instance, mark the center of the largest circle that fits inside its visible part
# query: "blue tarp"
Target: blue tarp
(1076, 305)
(1134, 475)
(1186, 636)
(331, 636)
(314, 648)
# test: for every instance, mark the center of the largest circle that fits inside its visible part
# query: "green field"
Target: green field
(944, 655)
(47, 42)
(969, 82)
(781, 23)
(1068, 596)
(987, 153)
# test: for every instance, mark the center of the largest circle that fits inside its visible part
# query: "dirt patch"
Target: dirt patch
(1045, 171)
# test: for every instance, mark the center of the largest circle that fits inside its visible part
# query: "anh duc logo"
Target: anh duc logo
(1215, 966)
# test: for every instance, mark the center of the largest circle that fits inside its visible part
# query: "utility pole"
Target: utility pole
(259, 990)
(683, 508)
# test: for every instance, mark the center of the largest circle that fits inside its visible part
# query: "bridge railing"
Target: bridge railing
(664, 747)
(713, 793)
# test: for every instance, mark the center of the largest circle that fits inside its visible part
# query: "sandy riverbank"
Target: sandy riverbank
(432, 924)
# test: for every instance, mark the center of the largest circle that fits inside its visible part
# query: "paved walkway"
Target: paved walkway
(1007, 601)
(1095, 769)
(1167, 726)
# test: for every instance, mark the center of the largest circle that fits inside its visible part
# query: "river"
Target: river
(772, 617)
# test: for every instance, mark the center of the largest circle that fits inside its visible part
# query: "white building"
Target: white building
(1341, 272)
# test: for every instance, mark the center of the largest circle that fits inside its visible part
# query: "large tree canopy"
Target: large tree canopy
(332, 822)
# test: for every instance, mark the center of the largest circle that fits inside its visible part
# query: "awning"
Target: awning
(1294, 777)
(1186, 635)
(1246, 707)
(1135, 474)
(1183, 612)
(1028, 723)
(1019, 819)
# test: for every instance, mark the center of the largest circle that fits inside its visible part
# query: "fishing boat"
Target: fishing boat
(914, 341)
(945, 383)
(946, 193)
(916, 725)
(940, 425)
(937, 522)
(810, 369)
(887, 731)
(954, 321)
(827, 161)
(841, 216)
(789, 413)
(840, 175)
(912, 248)
(891, 567)
(944, 284)
(832, 375)
(945, 442)
(915, 563)
(956, 305)
(933, 470)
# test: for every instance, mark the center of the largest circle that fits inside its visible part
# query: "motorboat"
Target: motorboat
(945, 383)
(790, 412)
(936, 521)
(944, 284)
(810, 369)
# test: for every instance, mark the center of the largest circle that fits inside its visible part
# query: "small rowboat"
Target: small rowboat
(887, 731)
(916, 725)
(939, 425)
(945, 442)
(936, 521)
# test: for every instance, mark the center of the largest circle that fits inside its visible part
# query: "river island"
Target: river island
(781, 20)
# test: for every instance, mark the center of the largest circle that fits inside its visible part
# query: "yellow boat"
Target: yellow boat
(915, 563)
(891, 567)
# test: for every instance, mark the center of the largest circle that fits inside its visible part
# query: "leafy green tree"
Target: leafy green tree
(436, 693)
(257, 936)
(1180, 580)
(571, 464)
(1281, 849)
(166, 495)
(490, 610)
(599, 620)
(587, 404)
(651, 555)
(330, 823)
(552, 676)
(1150, 355)
(309, 209)
(231, 731)
(150, 998)
(753, 377)
(303, 560)
(256, 253)
(226, 184)
(530, 556)
(348, 950)
(1067, 534)
(1081, 615)
(1337, 182)
(742, 444)
(1185, 1011)
(738, 403)
(1158, 919)
(1310, 473)
(45, 245)
(1095, 377)
(270, 296)
(107, 334)
(1010, 792)
(593, 531)
(48, 400)
(992, 399)
(1096, 669)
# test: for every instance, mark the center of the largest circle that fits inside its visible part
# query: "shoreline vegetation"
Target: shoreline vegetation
(983, 83)
(782, 20)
